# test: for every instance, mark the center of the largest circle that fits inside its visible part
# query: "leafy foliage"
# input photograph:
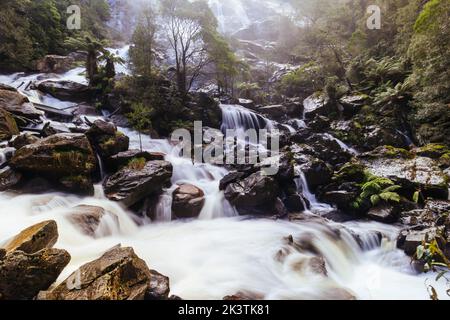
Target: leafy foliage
(376, 189)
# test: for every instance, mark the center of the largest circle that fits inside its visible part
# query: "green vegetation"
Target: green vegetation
(137, 164)
(31, 29)
(376, 189)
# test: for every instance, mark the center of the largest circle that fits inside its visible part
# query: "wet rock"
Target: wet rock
(283, 111)
(247, 103)
(418, 217)
(77, 184)
(383, 213)
(159, 287)
(123, 158)
(129, 186)
(35, 238)
(439, 207)
(317, 105)
(412, 173)
(378, 136)
(312, 265)
(18, 105)
(353, 103)
(316, 171)
(60, 155)
(55, 64)
(433, 151)
(188, 201)
(117, 275)
(256, 190)
(66, 90)
(106, 139)
(343, 199)
(9, 178)
(328, 149)
(409, 240)
(296, 203)
(319, 123)
(88, 218)
(23, 276)
(2, 253)
(230, 178)
(8, 126)
(23, 140)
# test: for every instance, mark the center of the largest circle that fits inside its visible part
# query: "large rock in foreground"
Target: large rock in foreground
(60, 155)
(66, 159)
(35, 238)
(23, 276)
(131, 185)
(188, 201)
(118, 275)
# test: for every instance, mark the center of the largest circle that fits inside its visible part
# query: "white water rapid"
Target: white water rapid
(221, 253)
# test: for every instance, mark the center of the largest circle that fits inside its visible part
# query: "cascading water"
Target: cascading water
(303, 188)
(210, 258)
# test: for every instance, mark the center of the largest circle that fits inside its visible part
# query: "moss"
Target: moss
(137, 163)
(433, 150)
(73, 159)
(393, 152)
(352, 171)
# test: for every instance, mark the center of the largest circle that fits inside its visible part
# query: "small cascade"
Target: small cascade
(101, 167)
(236, 117)
(303, 188)
(341, 144)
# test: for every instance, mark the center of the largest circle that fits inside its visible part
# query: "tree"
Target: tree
(185, 33)
(140, 118)
(143, 42)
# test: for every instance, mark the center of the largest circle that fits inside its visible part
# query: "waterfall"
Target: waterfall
(236, 117)
(220, 253)
(303, 188)
(341, 144)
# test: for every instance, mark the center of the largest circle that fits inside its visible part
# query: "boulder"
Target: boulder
(106, 139)
(23, 140)
(439, 207)
(122, 159)
(283, 111)
(58, 156)
(66, 90)
(23, 276)
(317, 105)
(54, 64)
(8, 126)
(378, 136)
(383, 213)
(253, 194)
(18, 105)
(328, 149)
(412, 173)
(129, 185)
(409, 240)
(188, 201)
(35, 238)
(88, 218)
(353, 103)
(9, 178)
(117, 275)
(316, 171)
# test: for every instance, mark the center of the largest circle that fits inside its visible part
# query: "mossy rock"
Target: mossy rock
(8, 126)
(433, 150)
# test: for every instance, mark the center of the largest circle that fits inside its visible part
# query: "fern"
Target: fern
(377, 189)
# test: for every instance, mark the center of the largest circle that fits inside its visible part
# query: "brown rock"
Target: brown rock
(23, 276)
(88, 218)
(117, 275)
(35, 238)
(188, 201)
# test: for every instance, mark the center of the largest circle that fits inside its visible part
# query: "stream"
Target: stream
(222, 253)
